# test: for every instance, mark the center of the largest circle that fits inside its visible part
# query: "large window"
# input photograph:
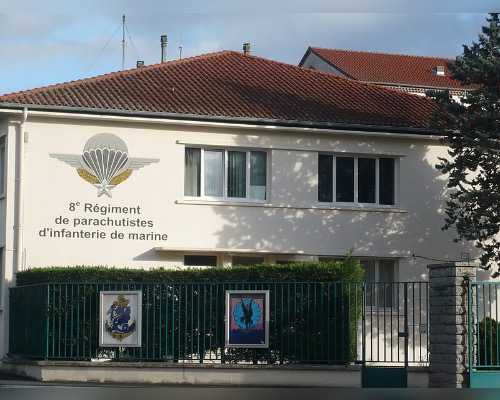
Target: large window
(225, 174)
(359, 180)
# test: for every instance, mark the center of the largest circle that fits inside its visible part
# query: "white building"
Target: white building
(218, 160)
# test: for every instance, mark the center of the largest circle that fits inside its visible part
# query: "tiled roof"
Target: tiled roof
(235, 85)
(389, 68)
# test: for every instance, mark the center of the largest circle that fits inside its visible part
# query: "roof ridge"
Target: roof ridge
(313, 48)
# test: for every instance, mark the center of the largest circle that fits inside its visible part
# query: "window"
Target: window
(380, 275)
(247, 260)
(225, 174)
(359, 180)
(381, 290)
(2, 165)
(200, 261)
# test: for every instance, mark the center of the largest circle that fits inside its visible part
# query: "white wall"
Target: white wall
(291, 221)
(315, 62)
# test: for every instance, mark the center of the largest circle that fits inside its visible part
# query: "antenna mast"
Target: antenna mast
(180, 49)
(123, 42)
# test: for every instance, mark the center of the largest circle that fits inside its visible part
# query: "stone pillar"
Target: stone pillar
(449, 325)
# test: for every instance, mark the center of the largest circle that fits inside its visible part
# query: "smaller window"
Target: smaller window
(381, 288)
(200, 261)
(380, 275)
(247, 260)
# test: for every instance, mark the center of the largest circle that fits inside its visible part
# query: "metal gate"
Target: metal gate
(394, 332)
(484, 335)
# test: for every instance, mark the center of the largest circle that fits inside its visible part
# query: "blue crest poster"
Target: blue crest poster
(120, 319)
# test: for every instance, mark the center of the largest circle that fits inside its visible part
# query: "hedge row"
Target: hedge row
(348, 269)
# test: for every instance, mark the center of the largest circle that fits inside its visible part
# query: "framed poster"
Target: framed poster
(247, 318)
(120, 319)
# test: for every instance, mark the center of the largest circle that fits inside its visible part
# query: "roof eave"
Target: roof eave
(458, 89)
(226, 119)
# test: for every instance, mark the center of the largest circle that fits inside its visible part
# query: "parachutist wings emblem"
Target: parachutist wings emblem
(105, 162)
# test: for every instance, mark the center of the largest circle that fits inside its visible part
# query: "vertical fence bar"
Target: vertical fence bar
(471, 332)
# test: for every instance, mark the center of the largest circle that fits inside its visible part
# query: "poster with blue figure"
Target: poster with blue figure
(247, 314)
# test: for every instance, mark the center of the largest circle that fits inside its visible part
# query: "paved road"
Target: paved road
(16, 387)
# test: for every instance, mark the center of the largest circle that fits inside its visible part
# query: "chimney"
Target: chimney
(164, 48)
(246, 48)
(140, 64)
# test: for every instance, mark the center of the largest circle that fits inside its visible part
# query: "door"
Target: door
(385, 335)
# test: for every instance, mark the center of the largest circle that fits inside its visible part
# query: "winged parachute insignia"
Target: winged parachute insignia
(104, 162)
(247, 314)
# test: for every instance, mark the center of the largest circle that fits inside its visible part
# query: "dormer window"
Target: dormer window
(440, 70)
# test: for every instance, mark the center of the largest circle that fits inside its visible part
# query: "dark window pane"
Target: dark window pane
(236, 174)
(387, 289)
(214, 171)
(325, 178)
(258, 175)
(200, 261)
(192, 171)
(366, 180)
(387, 181)
(345, 179)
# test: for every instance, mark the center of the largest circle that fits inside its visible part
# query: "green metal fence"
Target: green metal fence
(309, 322)
(484, 334)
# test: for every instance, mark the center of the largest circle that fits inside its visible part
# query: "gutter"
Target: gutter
(19, 202)
(225, 119)
(408, 85)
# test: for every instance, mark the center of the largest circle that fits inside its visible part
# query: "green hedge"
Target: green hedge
(488, 345)
(348, 269)
(312, 323)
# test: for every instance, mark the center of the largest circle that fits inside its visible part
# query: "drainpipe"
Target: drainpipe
(19, 217)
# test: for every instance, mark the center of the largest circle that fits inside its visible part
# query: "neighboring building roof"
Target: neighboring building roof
(389, 69)
(232, 85)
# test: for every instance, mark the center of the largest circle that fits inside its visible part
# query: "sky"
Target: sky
(50, 42)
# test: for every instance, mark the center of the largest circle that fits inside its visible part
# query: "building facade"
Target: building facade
(219, 160)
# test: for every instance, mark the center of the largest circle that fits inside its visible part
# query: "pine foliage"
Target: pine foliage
(472, 130)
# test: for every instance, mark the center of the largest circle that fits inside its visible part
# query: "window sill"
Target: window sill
(249, 203)
(243, 203)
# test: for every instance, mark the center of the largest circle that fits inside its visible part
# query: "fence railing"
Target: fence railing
(484, 326)
(309, 322)
(395, 329)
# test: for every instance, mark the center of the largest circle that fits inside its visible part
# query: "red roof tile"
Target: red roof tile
(389, 68)
(231, 84)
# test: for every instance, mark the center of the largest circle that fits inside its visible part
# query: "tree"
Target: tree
(472, 130)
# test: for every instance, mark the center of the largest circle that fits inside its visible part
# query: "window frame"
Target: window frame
(225, 174)
(356, 183)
